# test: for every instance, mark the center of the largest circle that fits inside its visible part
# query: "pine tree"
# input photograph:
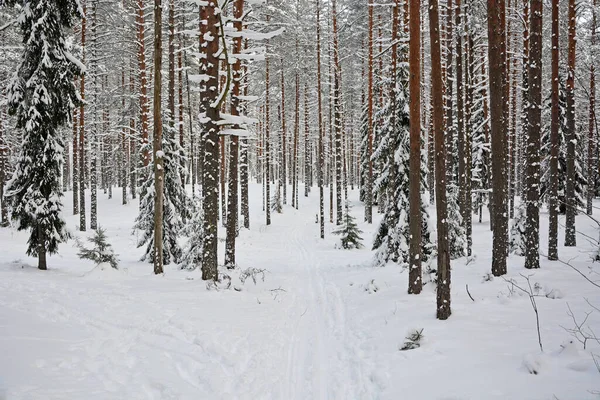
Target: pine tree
(176, 207)
(41, 96)
(102, 251)
(349, 231)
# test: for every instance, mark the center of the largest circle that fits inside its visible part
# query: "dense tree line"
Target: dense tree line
(470, 105)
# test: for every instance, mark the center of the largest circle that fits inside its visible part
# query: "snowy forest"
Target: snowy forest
(299, 199)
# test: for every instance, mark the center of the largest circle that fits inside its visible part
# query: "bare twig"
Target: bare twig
(532, 296)
(576, 270)
(469, 293)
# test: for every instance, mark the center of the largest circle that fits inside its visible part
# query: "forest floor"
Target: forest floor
(323, 324)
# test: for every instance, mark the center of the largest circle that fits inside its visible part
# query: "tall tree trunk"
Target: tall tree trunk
(143, 100)
(244, 158)
(82, 167)
(460, 114)
(296, 131)
(525, 70)
(159, 171)
(369, 183)
(321, 156)
(283, 179)
(449, 92)
(469, 81)
(307, 170)
(94, 128)
(3, 171)
(133, 142)
(75, 160)
(210, 171)
(443, 255)
(232, 197)
(337, 116)
(267, 164)
(497, 67)
(123, 158)
(415, 282)
(554, 144)
(571, 203)
(591, 186)
(532, 226)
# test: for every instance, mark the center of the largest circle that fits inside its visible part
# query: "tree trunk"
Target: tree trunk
(497, 82)
(267, 163)
(307, 165)
(443, 257)
(75, 160)
(82, 168)
(41, 249)
(460, 113)
(571, 203)
(3, 171)
(244, 160)
(159, 171)
(532, 225)
(94, 128)
(232, 206)
(283, 164)
(470, 79)
(321, 156)
(449, 92)
(591, 186)
(144, 107)
(296, 134)
(337, 116)
(210, 170)
(369, 183)
(554, 145)
(415, 282)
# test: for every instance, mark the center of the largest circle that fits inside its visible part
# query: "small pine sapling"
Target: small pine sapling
(101, 252)
(349, 231)
(412, 340)
(276, 201)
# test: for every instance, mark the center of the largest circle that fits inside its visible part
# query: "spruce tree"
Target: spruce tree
(101, 252)
(516, 244)
(41, 96)
(192, 251)
(349, 231)
(457, 241)
(177, 204)
(393, 154)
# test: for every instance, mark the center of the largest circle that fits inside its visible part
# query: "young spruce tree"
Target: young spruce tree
(176, 203)
(393, 236)
(41, 96)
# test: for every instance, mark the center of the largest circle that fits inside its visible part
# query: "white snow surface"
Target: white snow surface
(324, 323)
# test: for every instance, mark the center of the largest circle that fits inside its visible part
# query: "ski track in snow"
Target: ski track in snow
(323, 361)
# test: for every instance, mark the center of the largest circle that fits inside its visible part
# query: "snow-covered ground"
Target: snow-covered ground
(324, 324)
